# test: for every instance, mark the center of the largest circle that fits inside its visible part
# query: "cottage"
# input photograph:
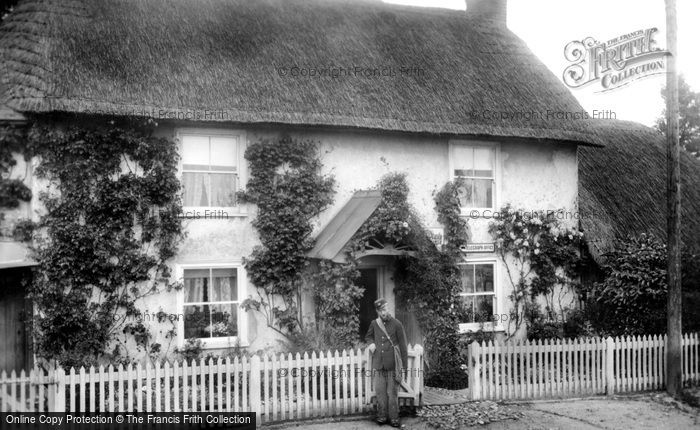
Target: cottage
(381, 88)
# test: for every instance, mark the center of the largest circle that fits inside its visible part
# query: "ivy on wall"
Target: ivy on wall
(541, 258)
(336, 296)
(111, 224)
(392, 222)
(450, 216)
(289, 190)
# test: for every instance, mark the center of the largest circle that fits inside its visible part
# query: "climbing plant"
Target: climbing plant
(542, 258)
(336, 297)
(109, 228)
(426, 279)
(450, 216)
(429, 283)
(289, 190)
(392, 222)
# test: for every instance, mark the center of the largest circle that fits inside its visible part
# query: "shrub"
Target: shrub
(631, 300)
(192, 350)
(541, 327)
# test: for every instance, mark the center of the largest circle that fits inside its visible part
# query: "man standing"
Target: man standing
(388, 341)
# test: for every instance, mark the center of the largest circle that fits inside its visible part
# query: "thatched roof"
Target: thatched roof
(185, 56)
(622, 187)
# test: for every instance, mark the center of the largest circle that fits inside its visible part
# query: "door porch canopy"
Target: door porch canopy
(332, 240)
(14, 254)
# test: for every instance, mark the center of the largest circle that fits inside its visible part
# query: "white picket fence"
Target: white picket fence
(574, 367)
(276, 387)
(291, 387)
(32, 391)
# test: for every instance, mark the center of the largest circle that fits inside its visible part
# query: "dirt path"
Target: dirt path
(651, 411)
(635, 413)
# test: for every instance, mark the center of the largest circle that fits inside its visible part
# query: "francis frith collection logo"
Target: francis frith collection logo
(614, 63)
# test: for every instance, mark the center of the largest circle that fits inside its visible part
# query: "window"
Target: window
(210, 170)
(478, 292)
(211, 303)
(475, 165)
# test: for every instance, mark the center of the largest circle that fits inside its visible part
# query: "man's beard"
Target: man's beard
(385, 318)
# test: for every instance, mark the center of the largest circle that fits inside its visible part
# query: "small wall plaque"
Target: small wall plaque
(478, 247)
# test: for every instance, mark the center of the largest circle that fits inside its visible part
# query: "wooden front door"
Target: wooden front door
(369, 280)
(15, 353)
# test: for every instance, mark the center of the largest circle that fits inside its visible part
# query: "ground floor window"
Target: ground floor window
(478, 293)
(211, 303)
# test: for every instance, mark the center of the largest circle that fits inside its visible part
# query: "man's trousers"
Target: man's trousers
(387, 395)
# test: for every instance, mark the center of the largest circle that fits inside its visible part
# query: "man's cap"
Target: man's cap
(379, 303)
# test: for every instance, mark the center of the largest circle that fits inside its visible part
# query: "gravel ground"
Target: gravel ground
(466, 414)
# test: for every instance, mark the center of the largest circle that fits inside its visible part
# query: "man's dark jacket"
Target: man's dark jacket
(383, 358)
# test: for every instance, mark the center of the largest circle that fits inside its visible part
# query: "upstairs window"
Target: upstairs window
(475, 165)
(210, 170)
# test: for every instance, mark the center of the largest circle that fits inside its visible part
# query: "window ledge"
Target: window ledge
(475, 327)
(206, 213)
(222, 343)
(478, 213)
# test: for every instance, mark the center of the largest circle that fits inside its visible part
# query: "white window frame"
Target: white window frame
(490, 325)
(496, 179)
(200, 212)
(219, 342)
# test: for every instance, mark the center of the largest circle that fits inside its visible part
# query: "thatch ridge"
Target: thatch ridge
(132, 56)
(622, 187)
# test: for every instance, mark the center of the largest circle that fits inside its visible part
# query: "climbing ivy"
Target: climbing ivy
(289, 190)
(336, 297)
(450, 216)
(392, 223)
(111, 224)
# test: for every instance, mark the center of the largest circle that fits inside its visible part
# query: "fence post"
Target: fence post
(254, 383)
(418, 375)
(369, 374)
(57, 393)
(474, 370)
(609, 366)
